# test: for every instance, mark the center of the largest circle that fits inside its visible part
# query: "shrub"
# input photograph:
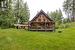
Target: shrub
(59, 31)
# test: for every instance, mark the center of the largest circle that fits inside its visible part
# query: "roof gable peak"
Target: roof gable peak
(41, 11)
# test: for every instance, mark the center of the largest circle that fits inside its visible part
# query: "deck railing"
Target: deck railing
(41, 28)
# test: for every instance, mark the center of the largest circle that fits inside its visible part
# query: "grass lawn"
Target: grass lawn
(13, 39)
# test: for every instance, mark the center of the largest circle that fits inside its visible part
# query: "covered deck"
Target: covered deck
(41, 26)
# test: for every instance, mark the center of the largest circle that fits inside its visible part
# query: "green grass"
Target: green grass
(13, 39)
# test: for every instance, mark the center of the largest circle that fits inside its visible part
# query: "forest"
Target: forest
(13, 12)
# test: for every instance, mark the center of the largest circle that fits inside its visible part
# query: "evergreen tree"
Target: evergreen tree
(68, 7)
(22, 12)
(18, 8)
(25, 13)
(7, 17)
(13, 11)
(56, 16)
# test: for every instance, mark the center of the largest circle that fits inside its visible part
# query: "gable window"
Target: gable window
(44, 20)
(39, 20)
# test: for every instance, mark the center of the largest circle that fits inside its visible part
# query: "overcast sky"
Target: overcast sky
(46, 5)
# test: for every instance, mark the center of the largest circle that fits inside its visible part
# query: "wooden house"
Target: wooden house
(42, 22)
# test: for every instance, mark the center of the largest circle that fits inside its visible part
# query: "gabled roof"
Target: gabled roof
(41, 12)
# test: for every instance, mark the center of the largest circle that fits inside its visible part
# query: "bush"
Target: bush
(66, 26)
(59, 31)
(6, 25)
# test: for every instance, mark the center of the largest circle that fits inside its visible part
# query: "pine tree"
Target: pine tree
(7, 17)
(22, 12)
(69, 9)
(56, 16)
(26, 14)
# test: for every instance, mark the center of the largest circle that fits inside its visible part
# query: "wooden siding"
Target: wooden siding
(41, 18)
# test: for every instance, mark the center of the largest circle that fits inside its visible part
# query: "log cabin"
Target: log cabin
(41, 22)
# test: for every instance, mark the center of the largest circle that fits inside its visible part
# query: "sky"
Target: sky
(46, 5)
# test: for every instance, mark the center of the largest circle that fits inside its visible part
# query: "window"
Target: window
(39, 20)
(44, 20)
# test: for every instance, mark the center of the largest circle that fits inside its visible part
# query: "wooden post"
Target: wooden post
(45, 25)
(28, 26)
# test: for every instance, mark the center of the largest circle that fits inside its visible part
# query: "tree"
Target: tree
(17, 9)
(25, 13)
(7, 17)
(57, 16)
(65, 20)
(68, 7)
(22, 12)
(13, 11)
